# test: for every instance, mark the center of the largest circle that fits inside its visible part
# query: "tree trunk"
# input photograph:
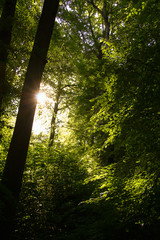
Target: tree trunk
(53, 121)
(104, 13)
(13, 172)
(6, 24)
(106, 21)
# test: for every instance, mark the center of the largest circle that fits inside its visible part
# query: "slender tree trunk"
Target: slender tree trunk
(13, 172)
(6, 24)
(106, 20)
(104, 13)
(53, 121)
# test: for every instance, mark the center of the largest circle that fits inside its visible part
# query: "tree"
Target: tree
(24, 23)
(87, 29)
(55, 111)
(105, 15)
(13, 172)
(6, 24)
(60, 75)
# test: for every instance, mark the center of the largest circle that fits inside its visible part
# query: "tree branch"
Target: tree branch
(93, 4)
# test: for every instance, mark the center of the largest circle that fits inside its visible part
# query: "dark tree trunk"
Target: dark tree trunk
(106, 21)
(6, 24)
(53, 121)
(105, 15)
(13, 172)
(98, 53)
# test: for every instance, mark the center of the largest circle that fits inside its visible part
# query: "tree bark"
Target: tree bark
(15, 163)
(106, 20)
(53, 121)
(6, 24)
(104, 13)
(12, 177)
(98, 53)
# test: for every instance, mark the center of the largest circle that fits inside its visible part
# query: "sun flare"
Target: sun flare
(41, 97)
(44, 110)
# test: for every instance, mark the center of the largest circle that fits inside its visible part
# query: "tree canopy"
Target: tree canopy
(94, 173)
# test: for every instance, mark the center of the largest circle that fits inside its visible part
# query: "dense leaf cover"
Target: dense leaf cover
(100, 179)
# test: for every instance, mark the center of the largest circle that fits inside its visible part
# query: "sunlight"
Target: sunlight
(41, 97)
(38, 127)
(44, 111)
(44, 108)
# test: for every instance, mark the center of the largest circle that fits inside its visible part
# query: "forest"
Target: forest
(79, 119)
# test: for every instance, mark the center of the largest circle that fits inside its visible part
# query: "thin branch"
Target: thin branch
(93, 4)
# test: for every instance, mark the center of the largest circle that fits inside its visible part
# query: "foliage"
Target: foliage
(101, 177)
(53, 186)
